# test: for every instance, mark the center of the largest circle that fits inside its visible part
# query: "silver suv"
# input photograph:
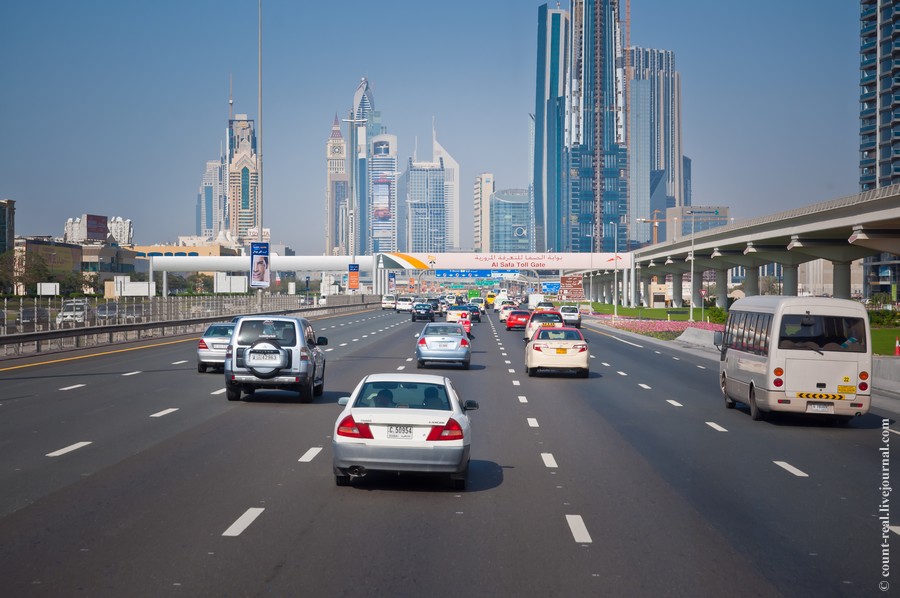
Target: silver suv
(274, 352)
(571, 315)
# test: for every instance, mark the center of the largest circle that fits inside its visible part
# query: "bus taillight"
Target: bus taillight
(864, 375)
(778, 382)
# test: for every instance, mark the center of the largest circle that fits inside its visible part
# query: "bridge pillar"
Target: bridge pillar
(645, 290)
(841, 281)
(696, 285)
(751, 281)
(789, 284)
(722, 288)
(677, 288)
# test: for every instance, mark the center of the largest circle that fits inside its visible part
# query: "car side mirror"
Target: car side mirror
(470, 405)
(718, 337)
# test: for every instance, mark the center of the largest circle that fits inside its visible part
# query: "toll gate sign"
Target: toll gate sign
(570, 288)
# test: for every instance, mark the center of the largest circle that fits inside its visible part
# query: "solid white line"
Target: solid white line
(68, 449)
(716, 426)
(165, 412)
(243, 522)
(131, 373)
(74, 386)
(310, 454)
(627, 342)
(522, 399)
(179, 362)
(218, 392)
(578, 529)
(533, 423)
(674, 403)
(645, 387)
(787, 466)
(549, 461)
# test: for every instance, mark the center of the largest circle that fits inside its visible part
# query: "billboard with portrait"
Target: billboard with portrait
(259, 265)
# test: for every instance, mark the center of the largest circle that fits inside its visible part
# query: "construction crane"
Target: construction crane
(655, 221)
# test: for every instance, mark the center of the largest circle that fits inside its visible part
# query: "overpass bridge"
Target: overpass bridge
(840, 230)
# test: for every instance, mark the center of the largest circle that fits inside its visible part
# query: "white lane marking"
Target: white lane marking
(165, 412)
(894, 431)
(621, 373)
(603, 363)
(504, 355)
(218, 392)
(677, 358)
(329, 349)
(716, 426)
(243, 522)
(533, 423)
(68, 449)
(657, 352)
(549, 461)
(511, 371)
(578, 529)
(342, 345)
(506, 361)
(73, 387)
(522, 399)
(515, 383)
(310, 454)
(674, 403)
(645, 387)
(179, 362)
(409, 359)
(132, 373)
(787, 466)
(702, 367)
(621, 340)
(402, 367)
(354, 340)
(895, 529)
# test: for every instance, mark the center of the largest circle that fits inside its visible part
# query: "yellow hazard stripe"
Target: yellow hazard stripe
(820, 395)
(413, 263)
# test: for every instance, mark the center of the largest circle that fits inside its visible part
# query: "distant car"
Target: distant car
(571, 316)
(133, 312)
(443, 341)
(558, 349)
(480, 302)
(498, 305)
(436, 306)
(33, 316)
(474, 312)
(396, 423)
(107, 311)
(544, 305)
(504, 312)
(213, 344)
(517, 318)
(74, 313)
(422, 311)
(280, 352)
(404, 304)
(388, 302)
(542, 319)
(454, 311)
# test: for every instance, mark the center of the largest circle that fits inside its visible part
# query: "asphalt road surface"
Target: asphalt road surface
(125, 472)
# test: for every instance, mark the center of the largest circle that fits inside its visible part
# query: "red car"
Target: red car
(517, 318)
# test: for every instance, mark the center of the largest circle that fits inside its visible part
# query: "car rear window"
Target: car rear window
(444, 331)
(556, 334)
(284, 333)
(403, 395)
(546, 317)
(221, 330)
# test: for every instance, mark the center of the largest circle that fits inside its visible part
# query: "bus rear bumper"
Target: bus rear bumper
(778, 401)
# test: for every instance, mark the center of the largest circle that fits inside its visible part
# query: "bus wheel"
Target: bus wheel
(729, 404)
(756, 414)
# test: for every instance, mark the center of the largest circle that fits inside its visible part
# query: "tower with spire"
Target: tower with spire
(336, 193)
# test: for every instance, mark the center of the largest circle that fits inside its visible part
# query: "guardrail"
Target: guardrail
(81, 336)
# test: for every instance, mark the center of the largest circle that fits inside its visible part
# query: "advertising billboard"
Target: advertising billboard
(353, 276)
(97, 228)
(259, 265)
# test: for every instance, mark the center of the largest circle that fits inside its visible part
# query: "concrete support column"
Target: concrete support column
(789, 284)
(696, 285)
(751, 281)
(722, 289)
(841, 281)
(677, 285)
(645, 290)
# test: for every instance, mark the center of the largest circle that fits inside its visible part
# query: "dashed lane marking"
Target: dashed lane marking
(532, 423)
(68, 449)
(645, 387)
(73, 387)
(549, 461)
(523, 399)
(788, 467)
(716, 427)
(243, 522)
(674, 403)
(578, 529)
(310, 454)
(131, 373)
(165, 412)
(218, 392)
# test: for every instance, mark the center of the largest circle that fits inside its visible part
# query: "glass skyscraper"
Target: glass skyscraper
(427, 213)
(383, 194)
(212, 200)
(510, 216)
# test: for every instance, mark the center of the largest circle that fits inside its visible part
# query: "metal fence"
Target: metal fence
(37, 325)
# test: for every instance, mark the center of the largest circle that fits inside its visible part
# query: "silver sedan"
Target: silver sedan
(212, 346)
(443, 341)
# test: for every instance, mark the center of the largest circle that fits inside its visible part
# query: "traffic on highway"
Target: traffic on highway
(128, 472)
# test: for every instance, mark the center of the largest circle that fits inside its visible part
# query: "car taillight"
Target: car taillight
(304, 354)
(202, 345)
(349, 428)
(422, 342)
(778, 382)
(464, 343)
(449, 431)
(580, 347)
(539, 346)
(228, 351)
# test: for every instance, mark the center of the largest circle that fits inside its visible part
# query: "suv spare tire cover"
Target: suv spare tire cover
(266, 373)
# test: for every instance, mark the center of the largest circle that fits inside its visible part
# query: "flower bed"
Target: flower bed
(661, 329)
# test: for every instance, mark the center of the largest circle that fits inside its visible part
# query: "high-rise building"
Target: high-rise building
(484, 188)
(336, 193)
(383, 213)
(427, 220)
(510, 215)
(879, 88)
(451, 191)
(244, 208)
(121, 229)
(7, 225)
(361, 113)
(550, 198)
(212, 199)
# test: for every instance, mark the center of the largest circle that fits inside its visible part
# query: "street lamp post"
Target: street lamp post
(692, 213)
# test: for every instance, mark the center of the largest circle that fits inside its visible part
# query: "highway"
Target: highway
(125, 472)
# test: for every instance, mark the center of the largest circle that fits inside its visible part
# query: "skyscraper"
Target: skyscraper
(212, 199)
(427, 224)
(383, 194)
(550, 202)
(510, 215)
(336, 193)
(484, 188)
(7, 224)
(243, 178)
(451, 191)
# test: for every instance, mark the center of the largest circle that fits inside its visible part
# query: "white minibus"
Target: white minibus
(798, 354)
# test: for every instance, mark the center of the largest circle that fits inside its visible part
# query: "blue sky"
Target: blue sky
(112, 107)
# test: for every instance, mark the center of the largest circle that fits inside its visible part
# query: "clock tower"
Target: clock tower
(337, 191)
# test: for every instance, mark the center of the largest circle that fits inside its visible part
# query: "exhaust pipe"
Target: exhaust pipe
(357, 471)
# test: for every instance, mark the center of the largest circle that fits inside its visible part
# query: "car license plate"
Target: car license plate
(561, 351)
(819, 408)
(400, 432)
(441, 345)
(265, 357)
(847, 389)
(219, 346)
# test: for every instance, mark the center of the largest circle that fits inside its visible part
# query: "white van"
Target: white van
(388, 302)
(797, 354)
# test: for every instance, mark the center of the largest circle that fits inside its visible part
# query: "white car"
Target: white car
(404, 304)
(571, 316)
(558, 349)
(504, 312)
(480, 302)
(388, 302)
(403, 423)
(541, 319)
